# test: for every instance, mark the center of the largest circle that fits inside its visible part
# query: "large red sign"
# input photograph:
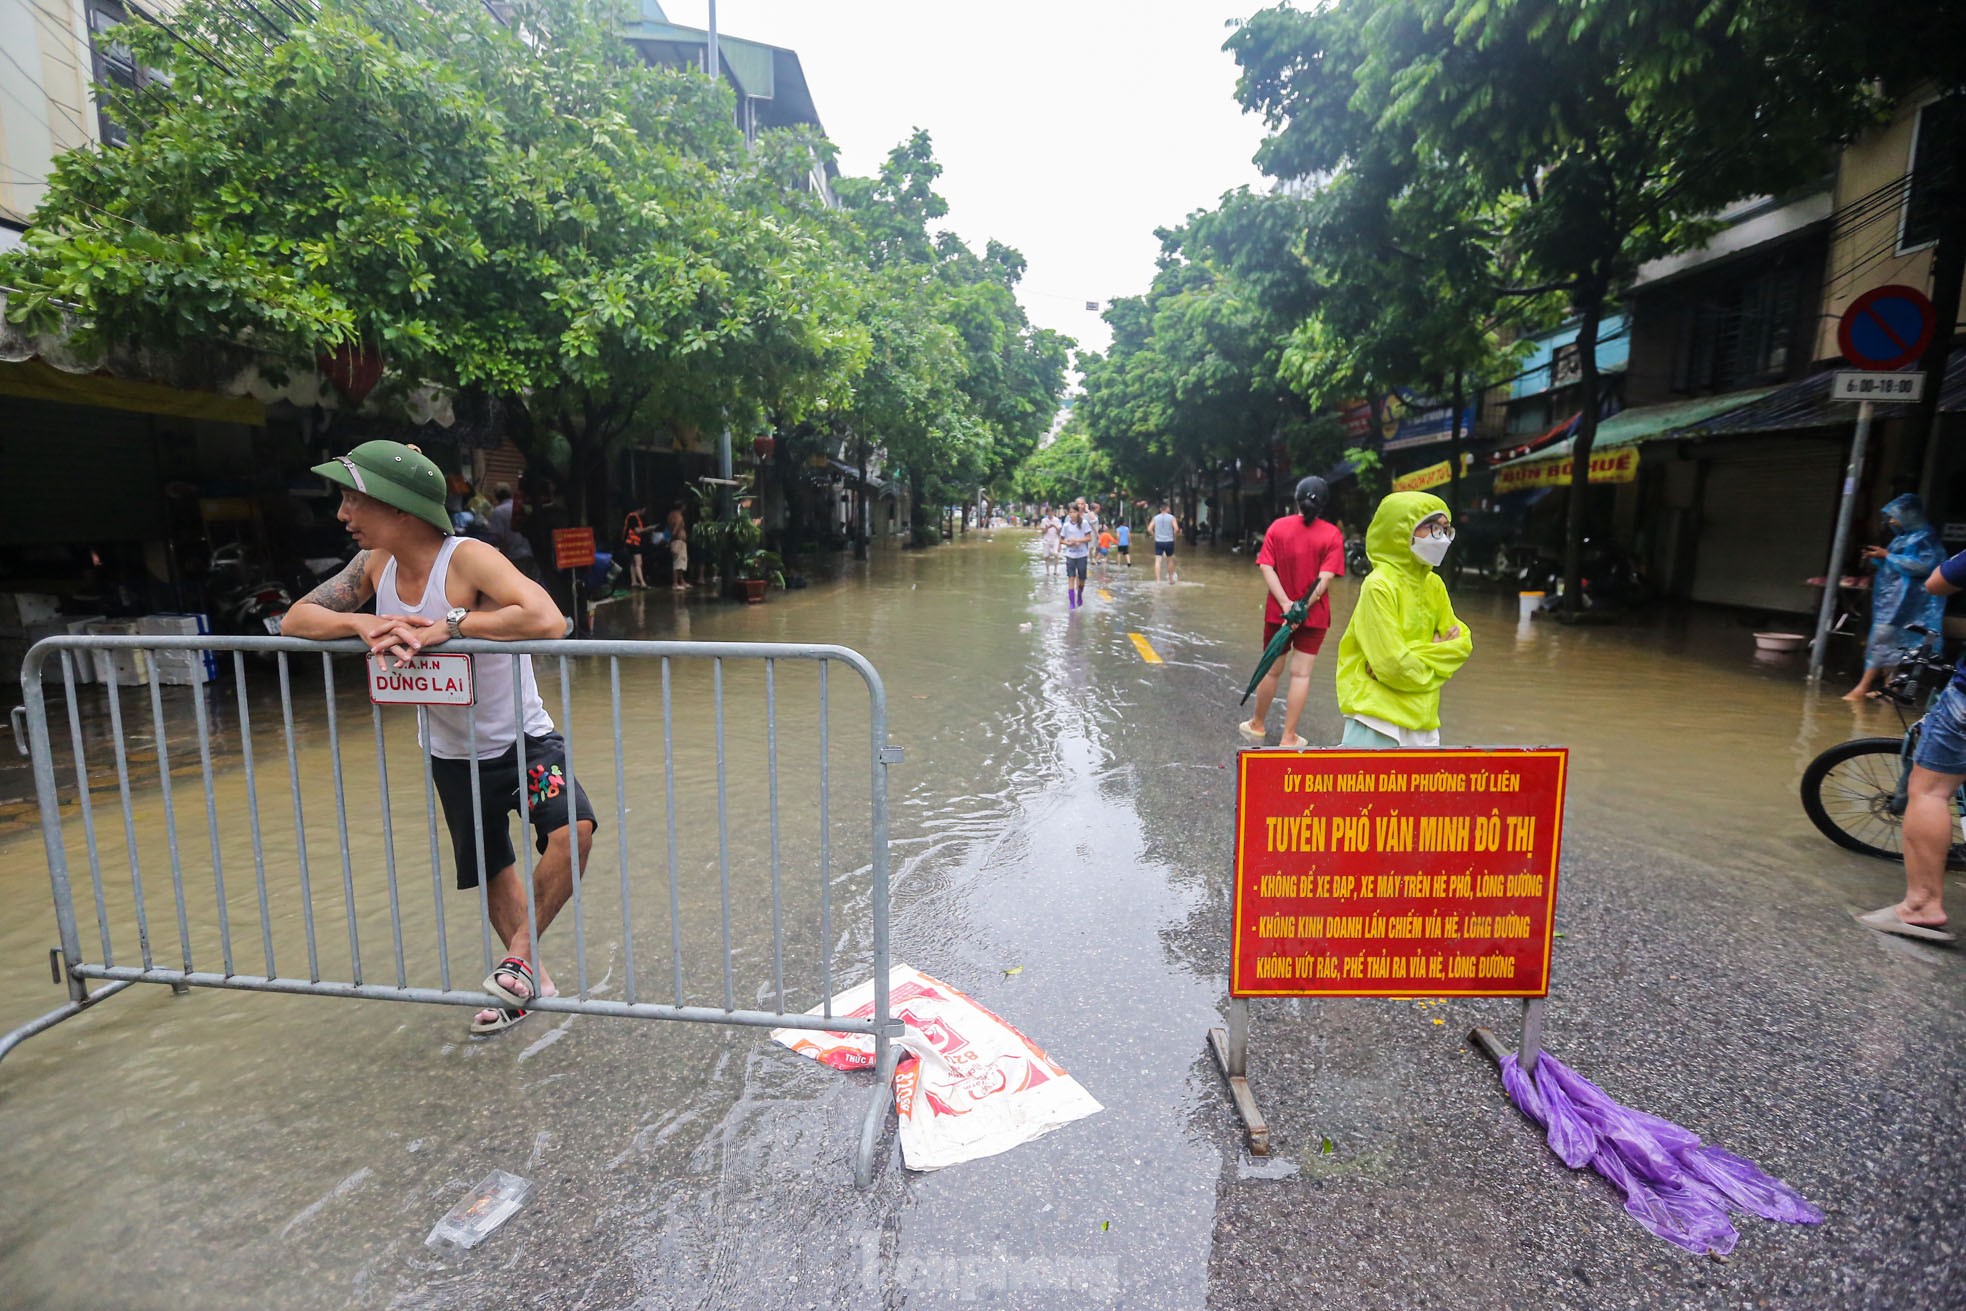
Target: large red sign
(1396, 873)
(573, 548)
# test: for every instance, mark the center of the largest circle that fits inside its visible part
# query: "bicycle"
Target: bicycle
(1854, 793)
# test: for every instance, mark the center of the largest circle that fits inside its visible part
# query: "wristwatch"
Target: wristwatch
(454, 620)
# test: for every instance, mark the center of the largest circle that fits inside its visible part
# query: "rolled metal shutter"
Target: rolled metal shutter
(1767, 513)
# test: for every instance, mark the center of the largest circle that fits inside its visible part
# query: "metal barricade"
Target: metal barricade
(804, 916)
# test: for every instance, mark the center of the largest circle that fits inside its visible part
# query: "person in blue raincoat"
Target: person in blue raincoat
(1898, 599)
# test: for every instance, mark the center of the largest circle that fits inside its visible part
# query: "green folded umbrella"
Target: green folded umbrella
(1272, 653)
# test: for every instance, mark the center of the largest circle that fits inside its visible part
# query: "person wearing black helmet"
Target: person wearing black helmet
(1301, 554)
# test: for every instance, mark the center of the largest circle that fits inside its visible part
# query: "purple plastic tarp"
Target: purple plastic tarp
(1674, 1185)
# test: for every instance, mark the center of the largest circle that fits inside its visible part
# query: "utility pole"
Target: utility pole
(1845, 511)
(716, 69)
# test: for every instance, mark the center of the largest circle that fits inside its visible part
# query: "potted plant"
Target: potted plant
(735, 547)
(758, 569)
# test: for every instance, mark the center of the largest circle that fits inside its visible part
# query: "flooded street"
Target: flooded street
(1061, 837)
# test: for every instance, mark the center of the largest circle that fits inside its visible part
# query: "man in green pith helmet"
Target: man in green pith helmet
(429, 586)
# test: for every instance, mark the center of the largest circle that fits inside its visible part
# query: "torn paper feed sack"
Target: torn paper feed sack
(970, 1086)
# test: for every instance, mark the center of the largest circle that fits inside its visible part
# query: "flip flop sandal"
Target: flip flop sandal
(499, 982)
(500, 1021)
(1887, 921)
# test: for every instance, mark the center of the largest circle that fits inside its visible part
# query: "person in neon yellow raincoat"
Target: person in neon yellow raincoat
(1403, 640)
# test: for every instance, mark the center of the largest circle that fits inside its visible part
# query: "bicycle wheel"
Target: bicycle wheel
(1847, 792)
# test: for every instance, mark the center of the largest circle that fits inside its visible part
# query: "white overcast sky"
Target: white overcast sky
(1069, 130)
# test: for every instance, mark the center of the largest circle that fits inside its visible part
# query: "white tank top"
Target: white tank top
(491, 708)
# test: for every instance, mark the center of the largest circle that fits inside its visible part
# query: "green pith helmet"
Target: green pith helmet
(399, 476)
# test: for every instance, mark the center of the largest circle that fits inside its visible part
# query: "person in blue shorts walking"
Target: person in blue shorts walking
(1163, 528)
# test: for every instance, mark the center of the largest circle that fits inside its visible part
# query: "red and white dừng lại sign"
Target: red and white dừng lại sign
(426, 680)
(1396, 873)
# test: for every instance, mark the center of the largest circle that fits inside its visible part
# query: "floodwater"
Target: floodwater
(1059, 833)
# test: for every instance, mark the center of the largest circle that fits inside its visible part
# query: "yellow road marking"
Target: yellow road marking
(1145, 648)
(1105, 595)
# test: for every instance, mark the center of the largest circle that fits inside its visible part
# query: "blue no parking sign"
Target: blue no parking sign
(1886, 328)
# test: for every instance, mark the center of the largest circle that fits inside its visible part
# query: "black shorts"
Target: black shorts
(1075, 567)
(1163, 548)
(498, 789)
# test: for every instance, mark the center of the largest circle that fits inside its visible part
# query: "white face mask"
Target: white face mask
(1432, 550)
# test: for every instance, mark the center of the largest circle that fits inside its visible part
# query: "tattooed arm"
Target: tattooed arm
(334, 608)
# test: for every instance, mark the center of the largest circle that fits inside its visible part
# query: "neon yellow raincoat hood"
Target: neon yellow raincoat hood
(1389, 665)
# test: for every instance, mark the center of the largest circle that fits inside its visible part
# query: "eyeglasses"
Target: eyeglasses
(1438, 528)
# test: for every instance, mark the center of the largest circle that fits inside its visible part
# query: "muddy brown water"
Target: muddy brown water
(1060, 810)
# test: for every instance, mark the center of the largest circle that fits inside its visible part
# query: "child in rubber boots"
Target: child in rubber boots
(1404, 641)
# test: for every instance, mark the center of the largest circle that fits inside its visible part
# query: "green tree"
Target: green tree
(1069, 466)
(962, 386)
(1193, 383)
(1890, 50)
(518, 207)
(1564, 141)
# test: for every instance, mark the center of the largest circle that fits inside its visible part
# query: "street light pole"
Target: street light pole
(716, 64)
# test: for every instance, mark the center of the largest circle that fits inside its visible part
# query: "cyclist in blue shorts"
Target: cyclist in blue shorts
(1937, 770)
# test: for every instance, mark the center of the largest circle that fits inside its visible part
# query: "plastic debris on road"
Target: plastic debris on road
(1674, 1185)
(970, 1084)
(494, 1201)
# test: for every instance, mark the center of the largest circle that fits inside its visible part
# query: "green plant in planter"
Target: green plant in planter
(735, 547)
(721, 541)
(762, 564)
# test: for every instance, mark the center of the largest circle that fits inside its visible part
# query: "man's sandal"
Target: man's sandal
(495, 1020)
(512, 970)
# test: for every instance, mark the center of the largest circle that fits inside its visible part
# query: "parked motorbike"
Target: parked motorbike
(243, 597)
(1357, 562)
(1485, 547)
(1611, 580)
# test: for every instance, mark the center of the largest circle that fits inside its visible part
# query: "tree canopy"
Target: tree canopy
(1195, 385)
(962, 385)
(1482, 150)
(515, 204)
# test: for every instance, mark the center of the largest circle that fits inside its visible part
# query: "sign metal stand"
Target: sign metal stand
(573, 550)
(1231, 1050)
(1428, 872)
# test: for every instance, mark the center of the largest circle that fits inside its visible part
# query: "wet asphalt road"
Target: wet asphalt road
(1065, 808)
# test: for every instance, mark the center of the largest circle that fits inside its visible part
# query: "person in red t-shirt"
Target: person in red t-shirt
(1301, 555)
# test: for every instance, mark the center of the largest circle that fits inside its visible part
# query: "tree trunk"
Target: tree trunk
(1270, 477)
(861, 513)
(579, 467)
(1590, 303)
(789, 495)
